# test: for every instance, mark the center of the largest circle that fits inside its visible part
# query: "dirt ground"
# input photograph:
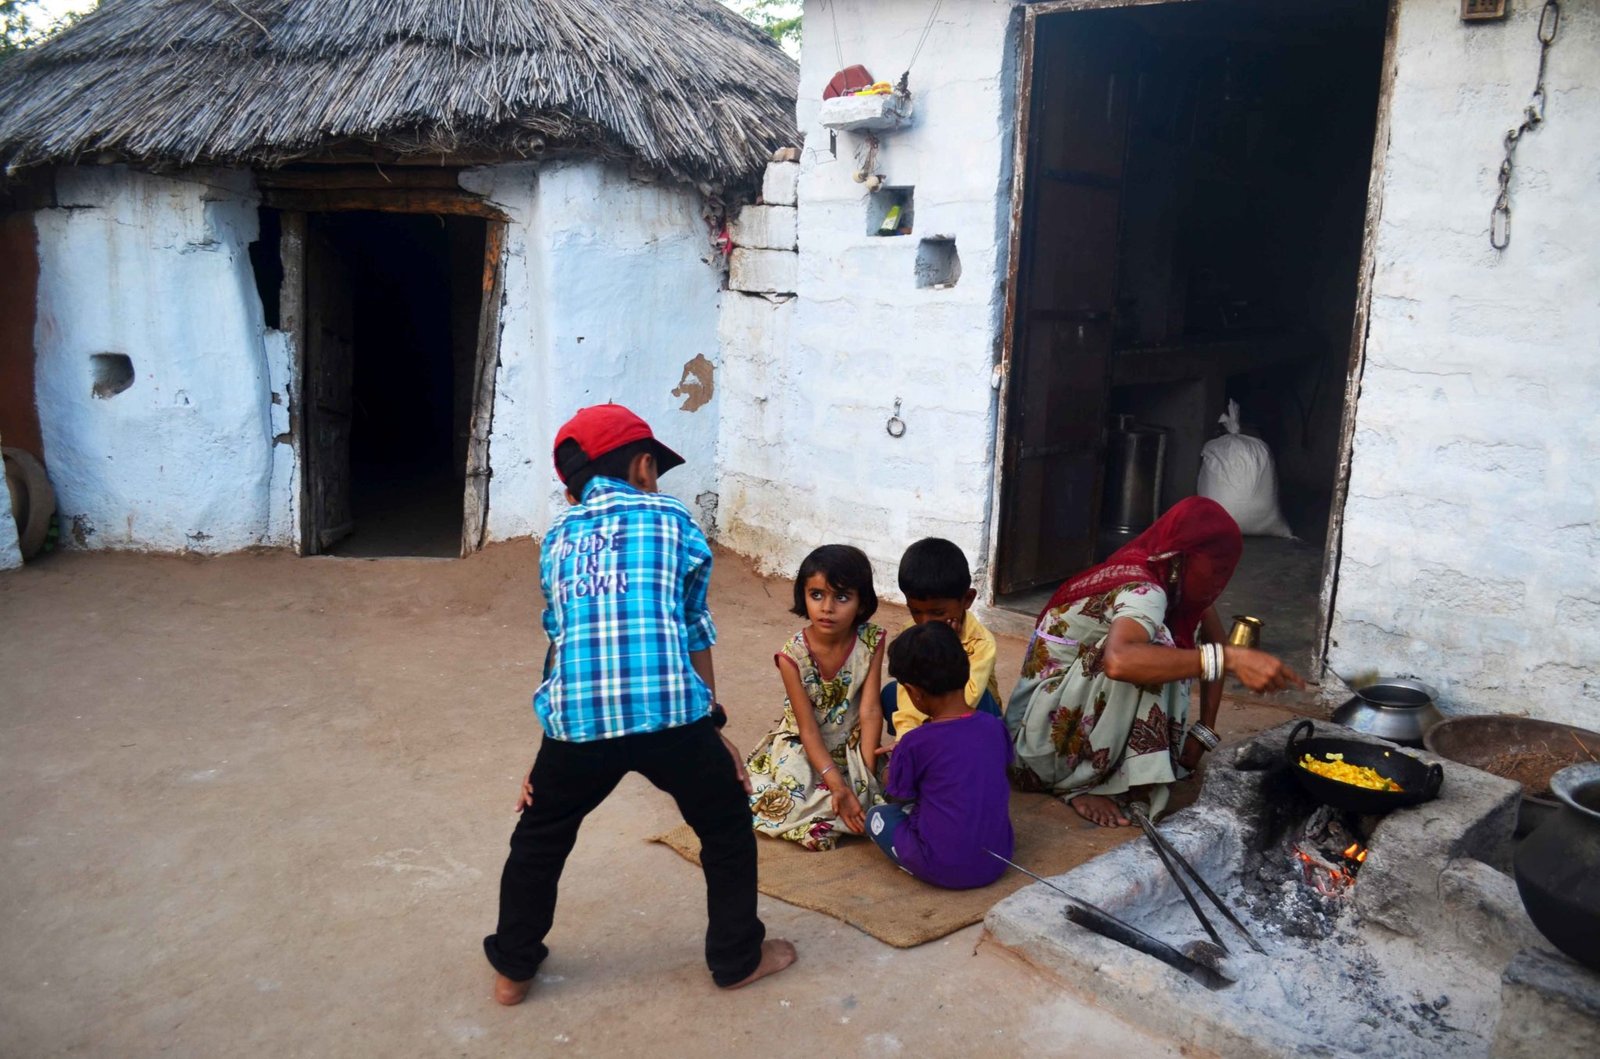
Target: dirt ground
(259, 804)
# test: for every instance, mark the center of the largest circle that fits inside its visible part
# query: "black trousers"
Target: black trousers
(690, 763)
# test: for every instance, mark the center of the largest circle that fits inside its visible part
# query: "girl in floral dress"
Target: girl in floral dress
(814, 776)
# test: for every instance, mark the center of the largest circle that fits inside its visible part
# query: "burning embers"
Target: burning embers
(1301, 884)
(1328, 853)
(1331, 879)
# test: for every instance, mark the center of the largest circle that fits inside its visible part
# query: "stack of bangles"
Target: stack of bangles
(1211, 662)
(1204, 735)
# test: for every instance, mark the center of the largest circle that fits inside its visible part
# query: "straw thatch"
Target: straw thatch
(682, 86)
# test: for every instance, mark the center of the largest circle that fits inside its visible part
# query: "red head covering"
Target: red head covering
(1200, 531)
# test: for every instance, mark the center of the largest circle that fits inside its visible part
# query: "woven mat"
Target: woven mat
(857, 883)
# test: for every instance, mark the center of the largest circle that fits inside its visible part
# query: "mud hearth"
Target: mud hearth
(1384, 935)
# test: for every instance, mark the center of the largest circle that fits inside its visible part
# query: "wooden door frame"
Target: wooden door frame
(475, 502)
(1023, 110)
(298, 195)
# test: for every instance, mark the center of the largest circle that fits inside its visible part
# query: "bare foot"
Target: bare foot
(509, 991)
(1098, 809)
(776, 954)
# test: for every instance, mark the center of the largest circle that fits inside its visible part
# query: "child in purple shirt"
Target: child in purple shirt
(951, 771)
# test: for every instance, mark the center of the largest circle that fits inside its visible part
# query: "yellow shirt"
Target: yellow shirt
(979, 645)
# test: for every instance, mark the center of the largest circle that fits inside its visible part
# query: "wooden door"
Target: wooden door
(329, 369)
(475, 503)
(1055, 434)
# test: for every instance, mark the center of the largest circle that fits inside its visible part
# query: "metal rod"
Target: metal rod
(1211, 894)
(1177, 877)
(1109, 926)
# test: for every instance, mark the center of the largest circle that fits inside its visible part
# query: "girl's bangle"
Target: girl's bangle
(823, 775)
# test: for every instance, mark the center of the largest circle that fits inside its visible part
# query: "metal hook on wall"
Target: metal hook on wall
(896, 426)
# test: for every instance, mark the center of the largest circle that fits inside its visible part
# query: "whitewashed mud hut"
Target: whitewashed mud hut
(281, 269)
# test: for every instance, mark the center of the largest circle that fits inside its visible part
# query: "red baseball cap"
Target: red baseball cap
(603, 428)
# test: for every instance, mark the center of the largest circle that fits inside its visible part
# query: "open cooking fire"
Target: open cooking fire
(1328, 853)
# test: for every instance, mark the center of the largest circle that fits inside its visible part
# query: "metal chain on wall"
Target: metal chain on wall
(1532, 118)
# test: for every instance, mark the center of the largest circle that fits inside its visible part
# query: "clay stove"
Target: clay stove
(1395, 936)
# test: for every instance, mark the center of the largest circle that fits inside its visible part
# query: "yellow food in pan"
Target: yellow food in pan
(1356, 775)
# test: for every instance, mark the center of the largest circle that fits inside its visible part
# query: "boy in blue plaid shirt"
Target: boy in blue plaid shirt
(628, 687)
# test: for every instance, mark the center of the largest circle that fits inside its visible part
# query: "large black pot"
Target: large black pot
(1558, 866)
(1420, 782)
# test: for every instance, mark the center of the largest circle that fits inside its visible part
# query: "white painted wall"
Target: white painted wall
(158, 269)
(805, 456)
(10, 553)
(612, 286)
(1472, 534)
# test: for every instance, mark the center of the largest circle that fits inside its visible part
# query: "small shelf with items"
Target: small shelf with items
(890, 210)
(866, 113)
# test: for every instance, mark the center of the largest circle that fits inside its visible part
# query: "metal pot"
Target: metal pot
(1398, 709)
(1557, 865)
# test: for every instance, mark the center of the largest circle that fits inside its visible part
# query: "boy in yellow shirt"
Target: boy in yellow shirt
(937, 584)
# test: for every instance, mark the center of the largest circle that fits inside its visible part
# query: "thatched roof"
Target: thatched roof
(682, 86)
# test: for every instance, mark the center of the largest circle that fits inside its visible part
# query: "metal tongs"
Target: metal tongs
(1140, 812)
(1107, 925)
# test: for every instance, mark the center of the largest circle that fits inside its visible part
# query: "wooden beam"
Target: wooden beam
(475, 504)
(404, 200)
(1358, 345)
(1003, 442)
(371, 177)
(292, 320)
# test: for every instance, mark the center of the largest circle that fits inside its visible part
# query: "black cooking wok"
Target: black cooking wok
(1420, 782)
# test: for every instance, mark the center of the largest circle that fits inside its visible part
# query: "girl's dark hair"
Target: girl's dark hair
(845, 567)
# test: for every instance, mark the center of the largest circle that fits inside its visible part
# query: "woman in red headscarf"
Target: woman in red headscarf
(1100, 712)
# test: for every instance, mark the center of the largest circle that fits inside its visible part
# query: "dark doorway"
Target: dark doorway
(1194, 200)
(392, 314)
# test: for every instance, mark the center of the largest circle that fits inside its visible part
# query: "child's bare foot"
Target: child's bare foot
(509, 991)
(776, 954)
(1098, 809)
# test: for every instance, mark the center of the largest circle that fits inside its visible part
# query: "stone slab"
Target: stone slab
(766, 228)
(865, 113)
(780, 185)
(763, 271)
(1549, 1006)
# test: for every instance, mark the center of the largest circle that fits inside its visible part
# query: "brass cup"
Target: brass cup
(1246, 631)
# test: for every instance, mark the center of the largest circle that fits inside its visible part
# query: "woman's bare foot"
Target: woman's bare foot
(1098, 809)
(776, 954)
(509, 991)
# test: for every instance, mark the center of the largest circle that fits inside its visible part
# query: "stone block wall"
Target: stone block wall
(806, 458)
(1471, 551)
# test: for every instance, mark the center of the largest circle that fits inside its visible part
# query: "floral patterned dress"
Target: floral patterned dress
(788, 801)
(1076, 730)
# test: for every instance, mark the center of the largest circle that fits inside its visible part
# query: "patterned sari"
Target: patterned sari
(1076, 730)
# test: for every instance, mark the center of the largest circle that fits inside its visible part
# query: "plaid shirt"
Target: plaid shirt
(624, 575)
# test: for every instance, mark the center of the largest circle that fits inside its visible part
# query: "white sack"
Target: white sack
(1237, 472)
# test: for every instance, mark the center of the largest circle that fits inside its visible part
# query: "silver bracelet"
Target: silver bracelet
(1204, 736)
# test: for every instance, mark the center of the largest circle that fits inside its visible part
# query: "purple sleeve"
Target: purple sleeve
(902, 785)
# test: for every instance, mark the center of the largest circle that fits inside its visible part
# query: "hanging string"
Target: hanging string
(928, 26)
(838, 49)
